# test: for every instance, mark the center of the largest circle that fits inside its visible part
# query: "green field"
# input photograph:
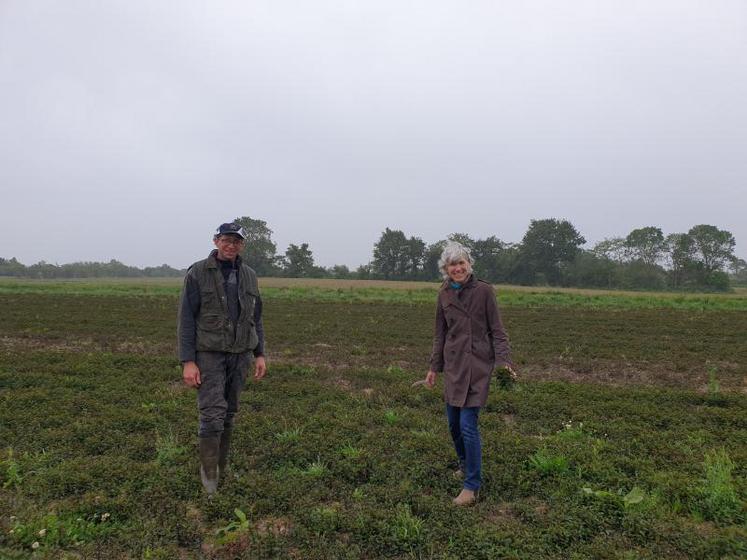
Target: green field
(626, 437)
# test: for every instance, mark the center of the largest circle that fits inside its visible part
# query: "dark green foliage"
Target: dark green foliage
(396, 257)
(547, 245)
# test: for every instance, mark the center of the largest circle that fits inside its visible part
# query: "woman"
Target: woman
(468, 344)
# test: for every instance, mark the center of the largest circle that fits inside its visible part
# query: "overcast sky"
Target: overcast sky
(131, 129)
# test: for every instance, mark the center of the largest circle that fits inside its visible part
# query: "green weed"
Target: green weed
(391, 417)
(168, 450)
(289, 435)
(349, 451)
(324, 519)
(12, 477)
(316, 468)
(719, 498)
(571, 431)
(358, 350)
(629, 500)
(549, 463)
(236, 526)
(406, 528)
(713, 385)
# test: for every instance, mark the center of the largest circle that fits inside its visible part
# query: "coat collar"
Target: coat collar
(212, 260)
(452, 295)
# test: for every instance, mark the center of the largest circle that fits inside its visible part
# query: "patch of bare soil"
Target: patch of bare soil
(27, 343)
(277, 526)
(619, 375)
(501, 513)
(342, 384)
(80, 344)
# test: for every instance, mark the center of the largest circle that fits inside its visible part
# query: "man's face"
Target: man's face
(229, 246)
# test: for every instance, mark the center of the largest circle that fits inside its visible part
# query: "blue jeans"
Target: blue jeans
(466, 436)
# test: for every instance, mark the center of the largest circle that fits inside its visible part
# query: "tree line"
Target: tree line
(551, 253)
(111, 269)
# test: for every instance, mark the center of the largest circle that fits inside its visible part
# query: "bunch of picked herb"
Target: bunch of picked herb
(506, 377)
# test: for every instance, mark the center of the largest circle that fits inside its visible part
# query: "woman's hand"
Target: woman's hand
(506, 377)
(430, 378)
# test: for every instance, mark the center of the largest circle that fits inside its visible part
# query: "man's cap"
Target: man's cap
(231, 229)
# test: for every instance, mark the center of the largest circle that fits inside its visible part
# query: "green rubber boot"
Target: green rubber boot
(225, 445)
(209, 471)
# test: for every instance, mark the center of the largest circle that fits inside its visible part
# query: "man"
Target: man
(219, 329)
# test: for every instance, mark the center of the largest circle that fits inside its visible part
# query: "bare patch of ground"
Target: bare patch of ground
(619, 375)
(82, 344)
(731, 375)
(342, 384)
(277, 526)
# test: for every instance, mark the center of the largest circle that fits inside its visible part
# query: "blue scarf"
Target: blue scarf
(455, 285)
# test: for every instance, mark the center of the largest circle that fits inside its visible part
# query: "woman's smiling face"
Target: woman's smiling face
(458, 271)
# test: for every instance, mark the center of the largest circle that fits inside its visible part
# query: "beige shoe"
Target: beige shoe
(465, 498)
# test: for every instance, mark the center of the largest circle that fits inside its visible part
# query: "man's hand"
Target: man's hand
(430, 378)
(260, 367)
(191, 374)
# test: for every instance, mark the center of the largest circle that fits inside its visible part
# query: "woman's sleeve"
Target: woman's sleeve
(498, 334)
(439, 336)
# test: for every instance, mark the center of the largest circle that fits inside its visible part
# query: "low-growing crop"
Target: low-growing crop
(336, 444)
(55, 530)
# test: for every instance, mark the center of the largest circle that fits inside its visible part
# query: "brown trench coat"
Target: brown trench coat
(469, 342)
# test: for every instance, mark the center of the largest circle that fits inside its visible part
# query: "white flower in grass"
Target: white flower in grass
(105, 516)
(42, 532)
(35, 545)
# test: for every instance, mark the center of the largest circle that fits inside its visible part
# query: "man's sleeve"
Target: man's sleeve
(259, 327)
(186, 330)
